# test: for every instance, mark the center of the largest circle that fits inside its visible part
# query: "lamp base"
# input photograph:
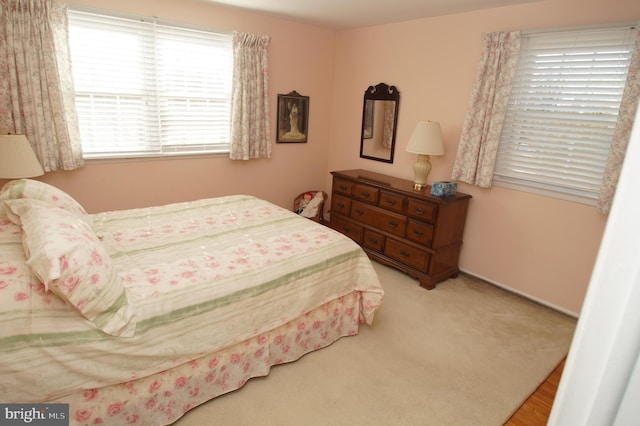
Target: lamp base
(421, 169)
(419, 186)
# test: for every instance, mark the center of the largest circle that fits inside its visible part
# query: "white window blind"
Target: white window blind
(563, 110)
(149, 88)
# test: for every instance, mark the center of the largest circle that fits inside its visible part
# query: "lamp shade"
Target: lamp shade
(426, 139)
(17, 159)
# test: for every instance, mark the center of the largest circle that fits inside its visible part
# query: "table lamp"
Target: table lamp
(17, 159)
(425, 141)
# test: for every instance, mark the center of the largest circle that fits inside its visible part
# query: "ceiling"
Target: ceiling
(348, 14)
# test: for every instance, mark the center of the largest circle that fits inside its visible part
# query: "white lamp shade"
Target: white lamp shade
(426, 139)
(17, 159)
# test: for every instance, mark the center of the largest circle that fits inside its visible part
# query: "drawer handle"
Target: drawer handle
(373, 240)
(341, 206)
(359, 212)
(418, 232)
(393, 224)
(405, 253)
(346, 229)
(419, 210)
(343, 187)
(364, 194)
(391, 202)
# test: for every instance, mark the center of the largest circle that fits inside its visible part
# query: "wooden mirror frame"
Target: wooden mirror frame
(378, 139)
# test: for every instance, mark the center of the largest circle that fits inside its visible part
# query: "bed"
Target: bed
(137, 316)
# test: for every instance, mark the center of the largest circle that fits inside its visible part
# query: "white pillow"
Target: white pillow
(36, 190)
(67, 256)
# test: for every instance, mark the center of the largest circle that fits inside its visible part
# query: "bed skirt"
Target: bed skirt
(163, 398)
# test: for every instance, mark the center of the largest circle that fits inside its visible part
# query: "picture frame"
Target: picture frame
(293, 118)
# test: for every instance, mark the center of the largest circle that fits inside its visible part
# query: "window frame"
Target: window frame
(159, 148)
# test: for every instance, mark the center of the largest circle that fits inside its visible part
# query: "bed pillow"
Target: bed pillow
(66, 255)
(36, 190)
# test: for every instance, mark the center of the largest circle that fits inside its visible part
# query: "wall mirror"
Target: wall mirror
(379, 122)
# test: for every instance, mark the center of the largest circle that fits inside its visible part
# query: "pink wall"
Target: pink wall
(539, 246)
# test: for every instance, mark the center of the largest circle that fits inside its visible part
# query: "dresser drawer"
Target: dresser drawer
(422, 210)
(349, 229)
(391, 201)
(365, 193)
(393, 223)
(406, 254)
(342, 186)
(420, 232)
(363, 213)
(381, 219)
(373, 240)
(340, 204)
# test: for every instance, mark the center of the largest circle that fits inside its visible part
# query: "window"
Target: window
(562, 111)
(149, 88)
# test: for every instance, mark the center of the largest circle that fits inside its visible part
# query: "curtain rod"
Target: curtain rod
(595, 27)
(144, 18)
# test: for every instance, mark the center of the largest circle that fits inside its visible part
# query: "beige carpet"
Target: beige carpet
(465, 353)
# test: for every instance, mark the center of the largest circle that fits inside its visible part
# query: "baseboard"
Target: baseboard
(523, 294)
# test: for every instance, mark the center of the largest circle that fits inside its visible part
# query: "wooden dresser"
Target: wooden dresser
(399, 226)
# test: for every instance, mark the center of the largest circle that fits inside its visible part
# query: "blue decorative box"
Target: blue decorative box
(444, 189)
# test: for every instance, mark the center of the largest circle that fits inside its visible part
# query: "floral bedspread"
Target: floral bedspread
(202, 276)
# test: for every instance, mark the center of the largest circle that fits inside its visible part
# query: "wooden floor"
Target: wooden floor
(535, 410)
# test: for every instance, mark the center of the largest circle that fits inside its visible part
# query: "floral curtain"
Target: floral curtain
(478, 145)
(250, 100)
(622, 132)
(36, 86)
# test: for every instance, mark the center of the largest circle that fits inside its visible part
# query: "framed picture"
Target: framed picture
(293, 118)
